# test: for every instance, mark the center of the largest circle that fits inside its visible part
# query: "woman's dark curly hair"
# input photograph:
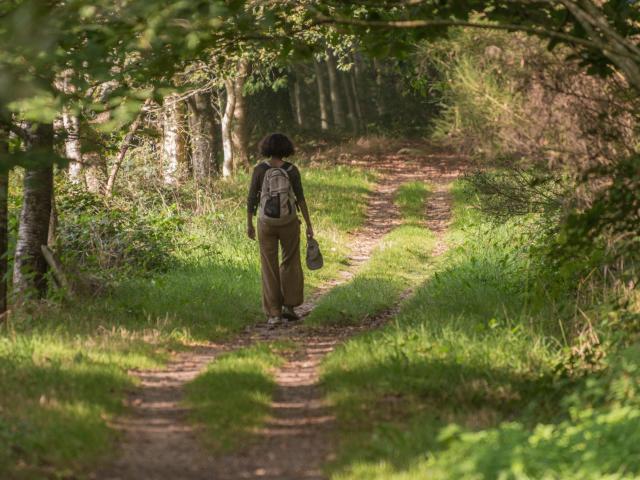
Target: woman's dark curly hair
(276, 145)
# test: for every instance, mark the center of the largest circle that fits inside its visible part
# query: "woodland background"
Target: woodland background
(127, 130)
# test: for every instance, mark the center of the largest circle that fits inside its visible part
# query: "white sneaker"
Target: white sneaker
(273, 322)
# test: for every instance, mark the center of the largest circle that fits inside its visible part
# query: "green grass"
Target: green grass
(398, 262)
(57, 392)
(411, 199)
(463, 384)
(232, 397)
(337, 201)
(63, 367)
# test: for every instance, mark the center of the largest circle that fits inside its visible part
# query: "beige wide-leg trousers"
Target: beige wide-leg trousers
(281, 284)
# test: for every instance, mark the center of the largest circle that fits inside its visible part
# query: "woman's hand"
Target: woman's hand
(309, 231)
(251, 231)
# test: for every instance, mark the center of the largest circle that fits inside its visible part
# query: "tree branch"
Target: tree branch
(418, 24)
(126, 143)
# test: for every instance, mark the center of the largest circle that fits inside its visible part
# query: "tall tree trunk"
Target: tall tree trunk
(296, 97)
(356, 99)
(202, 134)
(53, 222)
(4, 225)
(334, 92)
(322, 96)
(352, 115)
(30, 266)
(239, 130)
(226, 125)
(363, 89)
(174, 145)
(380, 98)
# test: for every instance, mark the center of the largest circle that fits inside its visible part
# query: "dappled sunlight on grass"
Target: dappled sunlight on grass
(58, 392)
(232, 397)
(465, 382)
(411, 199)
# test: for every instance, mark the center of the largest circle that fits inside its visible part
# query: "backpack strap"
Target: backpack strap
(285, 169)
(288, 170)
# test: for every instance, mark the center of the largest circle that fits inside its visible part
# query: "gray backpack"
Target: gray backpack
(277, 200)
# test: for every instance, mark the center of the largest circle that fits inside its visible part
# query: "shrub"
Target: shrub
(101, 235)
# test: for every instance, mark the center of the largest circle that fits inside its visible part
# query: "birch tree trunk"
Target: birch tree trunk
(322, 96)
(30, 266)
(174, 146)
(239, 130)
(226, 124)
(202, 135)
(334, 92)
(296, 100)
(71, 125)
(72, 145)
(4, 226)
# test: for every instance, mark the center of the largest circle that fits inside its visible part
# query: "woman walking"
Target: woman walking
(275, 195)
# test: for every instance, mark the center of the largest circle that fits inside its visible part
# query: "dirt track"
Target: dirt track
(159, 443)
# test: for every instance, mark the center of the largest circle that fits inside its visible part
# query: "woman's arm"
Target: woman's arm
(307, 218)
(296, 184)
(251, 230)
(252, 203)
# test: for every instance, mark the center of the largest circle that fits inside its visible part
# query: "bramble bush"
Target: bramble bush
(102, 235)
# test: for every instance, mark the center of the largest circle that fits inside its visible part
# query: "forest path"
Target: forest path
(159, 443)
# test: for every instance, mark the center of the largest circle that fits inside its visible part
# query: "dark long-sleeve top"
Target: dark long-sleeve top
(253, 200)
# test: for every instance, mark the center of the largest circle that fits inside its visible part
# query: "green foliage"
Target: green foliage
(511, 192)
(573, 25)
(598, 439)
(470, 380)
(612, 216)
(101, 236)
(232, 397)
(476, 91)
